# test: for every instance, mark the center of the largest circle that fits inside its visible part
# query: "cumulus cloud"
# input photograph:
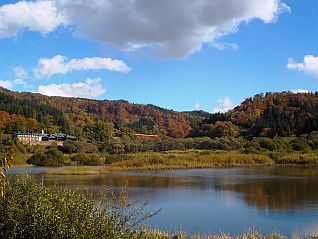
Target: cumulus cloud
(172, 29)
(224, 105)
(91, 88)
(308, 66)
(20, 72)
(39, 16)
(168, 29)
(296, 91)
(61, 65)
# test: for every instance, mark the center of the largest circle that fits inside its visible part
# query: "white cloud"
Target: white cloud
(20, 72)
(308, 66)
(169, 29)
(225, 45)
(91, 88)
(6, 84)
(61, 65)
(296, 91)
(9, 84)
(165, 28)
(224, 105)
(38, 16)
(197, 105)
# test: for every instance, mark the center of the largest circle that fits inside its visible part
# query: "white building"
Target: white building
(29, 137)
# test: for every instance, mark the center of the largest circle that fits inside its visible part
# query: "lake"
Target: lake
(234, 200)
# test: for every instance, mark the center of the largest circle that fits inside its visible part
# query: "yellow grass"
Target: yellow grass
(189, 160)
(78, 170)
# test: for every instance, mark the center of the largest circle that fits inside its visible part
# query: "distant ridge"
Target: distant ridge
(269, 114)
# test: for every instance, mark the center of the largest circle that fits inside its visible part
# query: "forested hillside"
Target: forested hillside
(280, 114)
(17, 114)
(81, 114)
(264, 115)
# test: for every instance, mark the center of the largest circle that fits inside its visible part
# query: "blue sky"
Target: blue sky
(165, 58)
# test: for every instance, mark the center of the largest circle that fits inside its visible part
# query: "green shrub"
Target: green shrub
(112, 146)
(312, 140)
(112, 158)
(31, 211)
(88, 159)
(71, 147)
(251, 150)
(299, 144)
(276, 143)
(51, 157)
(228, 143)
(267, 143)
(276, 155)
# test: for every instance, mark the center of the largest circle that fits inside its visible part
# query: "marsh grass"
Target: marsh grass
(192, 159)
(298, 158)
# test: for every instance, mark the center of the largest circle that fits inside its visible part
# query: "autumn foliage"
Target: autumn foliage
(264, 115)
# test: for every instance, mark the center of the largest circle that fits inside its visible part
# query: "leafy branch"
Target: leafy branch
(5, 164)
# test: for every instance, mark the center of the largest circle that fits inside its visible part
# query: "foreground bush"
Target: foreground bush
(29, 210)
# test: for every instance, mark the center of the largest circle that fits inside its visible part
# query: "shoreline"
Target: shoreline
(101, 170)
(183, 160)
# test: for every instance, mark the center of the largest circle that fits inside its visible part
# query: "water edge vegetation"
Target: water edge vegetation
(190, 160)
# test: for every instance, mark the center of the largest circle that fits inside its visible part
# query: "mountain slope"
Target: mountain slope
(140, 118)
(270, 114)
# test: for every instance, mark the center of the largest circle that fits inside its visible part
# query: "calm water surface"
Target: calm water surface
(214, 200)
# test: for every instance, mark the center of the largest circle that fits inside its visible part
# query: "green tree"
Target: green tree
(102, 131)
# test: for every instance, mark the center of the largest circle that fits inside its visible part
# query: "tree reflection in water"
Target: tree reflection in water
(278, 189)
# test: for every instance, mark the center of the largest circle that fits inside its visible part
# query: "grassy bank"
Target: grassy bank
(190, 160)
(212, 159)
(170, 160)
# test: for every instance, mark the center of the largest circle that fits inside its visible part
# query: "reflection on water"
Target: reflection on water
(282, 189)
(214, 200)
